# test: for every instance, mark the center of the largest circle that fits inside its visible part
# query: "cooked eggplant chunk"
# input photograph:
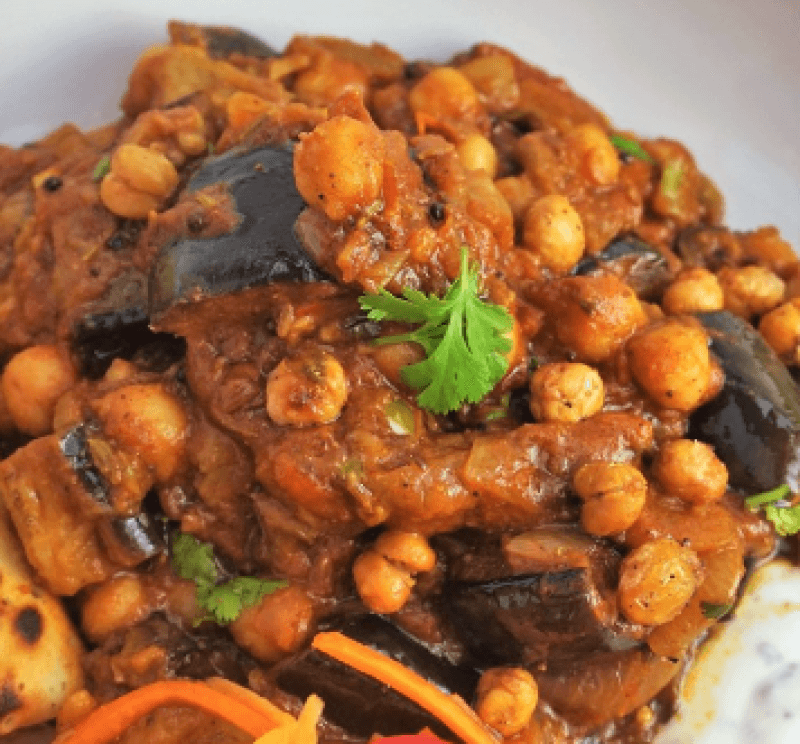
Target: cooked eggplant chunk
(644, 268)
(358, 703)
(529, 616)
(220, 42)
(595, 689)
(754, 423)
(117, 326)
(262, 249)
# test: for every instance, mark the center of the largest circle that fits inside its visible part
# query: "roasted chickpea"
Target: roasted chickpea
(671, 362)
(507, 698)
(115, 605)
(613, 495)
(598, 157)
(554, 231)
(339, 166)
(384, 573)
(477, 153)
(694, 290)
(565, 391)
(278, 625)
(149, 421)
(596, 315)
(32, 382)
(691, 471)
(657, 580)
(750, 290)
(306, 390)
(445, 94)
(409, 549)
(495, 78)
(781, 328)
(383, 586)
(518, 192)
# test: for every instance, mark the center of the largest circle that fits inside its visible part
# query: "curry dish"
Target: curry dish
(319, 359)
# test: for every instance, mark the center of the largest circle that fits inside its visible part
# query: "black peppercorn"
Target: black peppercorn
(436, 214)
(52, 183)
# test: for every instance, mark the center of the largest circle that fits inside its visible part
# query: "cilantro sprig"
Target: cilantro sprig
(222, 602)
(631, 147)
(461, 334)
(783, 514)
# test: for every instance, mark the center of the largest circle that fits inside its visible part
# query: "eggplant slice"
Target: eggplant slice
(643, 267)
(261, 250)
(753, 423)
(362, 705)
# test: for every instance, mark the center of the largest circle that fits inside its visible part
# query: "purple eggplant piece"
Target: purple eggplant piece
(262, 249)
(221, 42)
(118, 326)
(644, 268)
(753, 423)
(360, 704)
(528, 617)
(128, 540)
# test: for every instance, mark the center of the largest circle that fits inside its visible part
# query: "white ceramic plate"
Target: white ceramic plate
(723, 76)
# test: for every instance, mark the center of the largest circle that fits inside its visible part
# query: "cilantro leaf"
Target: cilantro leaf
(461, 334)
(222, 602)
(193, 560)
(630, 147)
(713, 611)
(784, 515)
(102, 168)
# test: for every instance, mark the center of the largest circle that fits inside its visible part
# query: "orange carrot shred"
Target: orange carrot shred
(451, 710)
(108, 721)
(251, 699)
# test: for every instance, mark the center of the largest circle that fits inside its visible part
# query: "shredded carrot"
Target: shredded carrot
(451, 710)
(109, 721)
(300, 731)
(251, 699)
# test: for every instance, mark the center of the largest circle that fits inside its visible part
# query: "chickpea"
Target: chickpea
(598, 157)
(781, 328)
(494, 77)
(671, 362)
(409, 549)
(277, 626)
(691, 471)
(657, 580)
(32, 382)
(74, 709)
(149, 421)
(693, 290)
(445, 94)
(117, 604)
(596, 315)
(613, 494)
(384, 574)
(750, 290)
(339, 166)
(565, 391)
(306, 391)
(518, 192)
(382, 586)
(138, 181)
(554, 231)
(477, 153)
(507, 698)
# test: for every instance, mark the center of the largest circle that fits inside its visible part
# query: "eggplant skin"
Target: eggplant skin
(754, 422)
(355, 701)
(40, 661)
(262, 249)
